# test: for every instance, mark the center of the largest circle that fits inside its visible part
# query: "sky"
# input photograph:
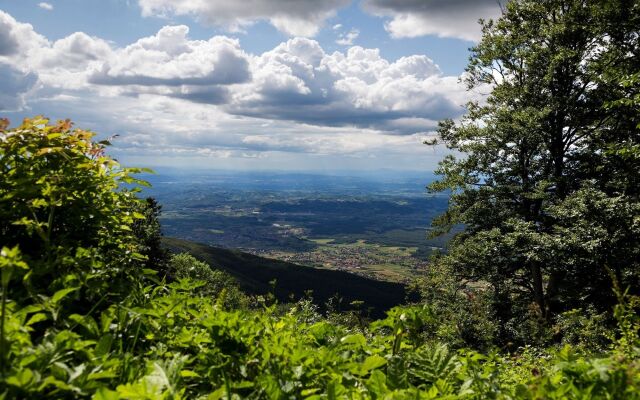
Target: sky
(294, 85)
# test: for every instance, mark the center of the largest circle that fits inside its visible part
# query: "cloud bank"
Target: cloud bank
(408, 18)
(298, 81)
(171, 95)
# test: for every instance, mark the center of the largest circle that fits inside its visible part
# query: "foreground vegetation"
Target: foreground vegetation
(176, 345)
(535, 300)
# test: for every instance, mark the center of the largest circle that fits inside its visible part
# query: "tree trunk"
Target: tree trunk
(538, 289)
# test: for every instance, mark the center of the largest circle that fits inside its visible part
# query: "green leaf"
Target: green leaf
(185, 373)
(52, 381)
(87, 322)
(377, 383)
(21, 379)
(356, 339)
(62, 293)
(31, 309)
(397, 373)
(243, 385)
(49, 150)
(102, 375)
(35, 318)
(372, 362)
(217, 394)
(309, 392)
(105, 394)
(104, 345)
(148, 271)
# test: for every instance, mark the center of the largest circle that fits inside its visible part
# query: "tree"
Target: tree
(546, 135)
(149, 234)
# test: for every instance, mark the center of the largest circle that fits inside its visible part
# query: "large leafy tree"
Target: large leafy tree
(547, 186)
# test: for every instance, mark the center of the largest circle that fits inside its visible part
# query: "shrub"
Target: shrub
(64, 203)
(461, 313)
(215, 284)
(584, 328)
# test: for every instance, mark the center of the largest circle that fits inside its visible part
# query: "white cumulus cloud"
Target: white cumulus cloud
(45, 6)
(16, 38)
(169, 58)
(171, 64)
(298, 81)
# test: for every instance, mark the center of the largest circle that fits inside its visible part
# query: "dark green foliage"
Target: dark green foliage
(583, 328)
(461, 315)
(595, 234)
(547, 188)
(149, 235)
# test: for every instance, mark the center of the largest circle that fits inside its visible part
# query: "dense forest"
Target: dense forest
(536, 298)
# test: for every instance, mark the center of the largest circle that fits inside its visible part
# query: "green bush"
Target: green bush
(177, 345)
(64, 203)
(215, 284)
(461, 312)
(585, 328)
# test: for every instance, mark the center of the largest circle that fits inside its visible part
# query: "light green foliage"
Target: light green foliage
(177, 345)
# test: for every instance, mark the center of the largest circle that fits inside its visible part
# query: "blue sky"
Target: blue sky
(260, 84)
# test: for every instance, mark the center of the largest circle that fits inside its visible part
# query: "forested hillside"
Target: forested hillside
(537, 297)
(287, 281)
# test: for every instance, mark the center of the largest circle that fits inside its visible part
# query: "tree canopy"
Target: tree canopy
(547, 184)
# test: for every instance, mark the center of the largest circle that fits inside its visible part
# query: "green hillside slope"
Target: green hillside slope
(254, 274)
